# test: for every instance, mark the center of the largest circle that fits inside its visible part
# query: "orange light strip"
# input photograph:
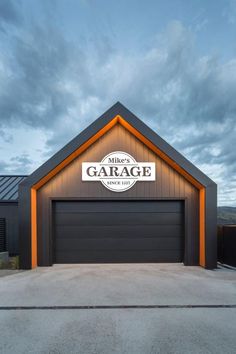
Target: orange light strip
(46, 178)
(76, 153)
(202, 246)
(202, 255)
(160, 153)
(33, 228)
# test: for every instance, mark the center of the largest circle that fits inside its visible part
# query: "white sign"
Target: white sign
(118, 171)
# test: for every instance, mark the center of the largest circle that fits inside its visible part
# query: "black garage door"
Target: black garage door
(118, 231)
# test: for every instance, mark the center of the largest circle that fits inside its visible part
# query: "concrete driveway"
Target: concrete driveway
(118, 308)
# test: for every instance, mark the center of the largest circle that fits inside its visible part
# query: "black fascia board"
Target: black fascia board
(96, 126)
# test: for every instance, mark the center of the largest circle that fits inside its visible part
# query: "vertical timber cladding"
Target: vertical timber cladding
(68, 185)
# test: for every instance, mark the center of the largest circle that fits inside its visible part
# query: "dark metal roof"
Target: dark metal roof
(9, 187)
(97, 125)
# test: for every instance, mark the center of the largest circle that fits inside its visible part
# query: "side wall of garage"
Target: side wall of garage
(9, 211)
(67, 184)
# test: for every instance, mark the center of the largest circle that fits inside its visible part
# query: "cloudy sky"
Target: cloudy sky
(173, 63)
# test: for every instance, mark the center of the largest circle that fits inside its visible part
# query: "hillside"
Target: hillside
(226, 215)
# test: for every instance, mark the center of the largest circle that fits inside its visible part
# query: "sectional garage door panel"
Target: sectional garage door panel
(135, 231)
(117, 231)
(118, 257)
(119, 206)
(125, 218)
(124, 244)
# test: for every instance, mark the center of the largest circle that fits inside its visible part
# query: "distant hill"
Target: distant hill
(226, 215)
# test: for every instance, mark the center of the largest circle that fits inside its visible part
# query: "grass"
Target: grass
(13, 263)
(226, 215)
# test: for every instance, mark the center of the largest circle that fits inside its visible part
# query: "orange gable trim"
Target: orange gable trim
(117, 119)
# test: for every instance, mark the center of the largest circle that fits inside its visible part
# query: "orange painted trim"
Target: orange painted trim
(202, 211)
(160, 153)
(75, 154)
(46, 178)
(34, 262)
(88, 143)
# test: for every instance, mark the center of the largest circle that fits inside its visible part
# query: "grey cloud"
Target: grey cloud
(187, 99)
(9, 13)
(230, 11)
(4, 167)
(5, 136)
(16, 165)
(33, 92)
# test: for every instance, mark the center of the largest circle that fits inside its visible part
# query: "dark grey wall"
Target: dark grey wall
(169, 184)
(210, 227)
(9, 211)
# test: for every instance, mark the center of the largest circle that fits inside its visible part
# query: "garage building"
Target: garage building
(117, 193)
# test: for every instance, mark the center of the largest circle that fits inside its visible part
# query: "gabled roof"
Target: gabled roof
(98, 125)
(9, 187)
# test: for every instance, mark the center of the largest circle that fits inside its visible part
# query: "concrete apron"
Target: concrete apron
(119, 285)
